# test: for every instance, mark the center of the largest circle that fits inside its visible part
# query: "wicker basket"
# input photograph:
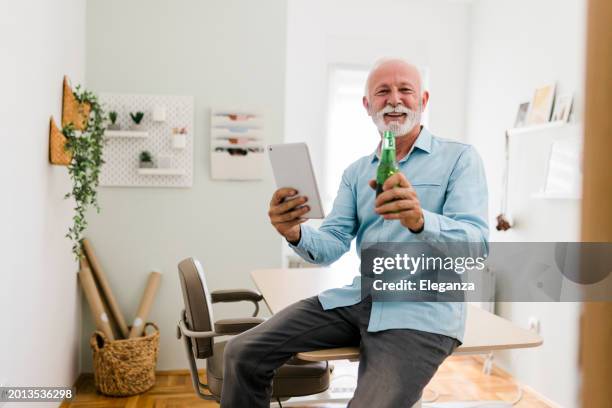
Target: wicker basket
(125, 367)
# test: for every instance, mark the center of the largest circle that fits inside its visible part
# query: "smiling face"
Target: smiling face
(394, 97)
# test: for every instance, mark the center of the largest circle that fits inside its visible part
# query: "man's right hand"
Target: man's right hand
(284, 215)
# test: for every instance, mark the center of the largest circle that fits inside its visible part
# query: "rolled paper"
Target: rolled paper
(84, 264)
(95, 303)
(145, 304)
(105, 289)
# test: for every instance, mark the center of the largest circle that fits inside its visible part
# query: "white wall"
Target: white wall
(433, 34)
(40, 42)
(517, 46)
(224, 53)
(320, 33)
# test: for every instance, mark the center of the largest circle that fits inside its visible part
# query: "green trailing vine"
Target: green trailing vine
(84, 168)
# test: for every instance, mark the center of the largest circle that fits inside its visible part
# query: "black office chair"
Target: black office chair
(294, 379)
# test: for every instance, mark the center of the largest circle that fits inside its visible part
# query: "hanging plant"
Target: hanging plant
(84, 168)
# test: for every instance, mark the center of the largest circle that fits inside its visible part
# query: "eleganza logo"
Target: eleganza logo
(501, 271)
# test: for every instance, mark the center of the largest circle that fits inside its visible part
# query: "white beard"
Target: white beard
(413, 118)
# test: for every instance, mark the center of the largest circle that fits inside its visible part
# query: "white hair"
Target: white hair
(381, 61)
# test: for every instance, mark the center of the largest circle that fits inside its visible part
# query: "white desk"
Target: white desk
(484, 331)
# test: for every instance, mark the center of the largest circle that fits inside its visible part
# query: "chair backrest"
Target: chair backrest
(198, 306)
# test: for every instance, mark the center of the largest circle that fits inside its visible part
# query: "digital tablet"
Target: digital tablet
(292, 168)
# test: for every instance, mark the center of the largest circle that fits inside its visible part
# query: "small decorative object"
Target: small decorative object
(563, 108)
(179, 138)
(234, 116)
(85, 148)
(159, 114)
(521, 115)
(164, 161)
(57, 145)
(146, 160)
(541, 105)
(74, 113)
(73, 110)
(137, 118)
(503, 224)
(112, 116)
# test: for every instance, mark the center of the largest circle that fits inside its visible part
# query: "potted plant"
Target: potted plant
(137, 118)
(112, 115)
(85, 146)
(146, 160)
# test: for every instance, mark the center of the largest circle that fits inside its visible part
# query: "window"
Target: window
(350, 131)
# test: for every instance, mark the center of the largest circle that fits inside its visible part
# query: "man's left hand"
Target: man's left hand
(399, 201)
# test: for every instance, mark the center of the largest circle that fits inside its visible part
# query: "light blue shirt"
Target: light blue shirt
(450, 182)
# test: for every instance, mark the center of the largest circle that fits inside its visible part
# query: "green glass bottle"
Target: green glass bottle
(388, 165)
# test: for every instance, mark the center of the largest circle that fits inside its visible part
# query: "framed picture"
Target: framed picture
(541, 105)
(521, 115)
(563, 108)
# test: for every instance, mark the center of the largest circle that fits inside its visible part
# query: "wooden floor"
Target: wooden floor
(460, 378)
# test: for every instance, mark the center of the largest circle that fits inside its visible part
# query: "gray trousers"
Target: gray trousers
(394, 365)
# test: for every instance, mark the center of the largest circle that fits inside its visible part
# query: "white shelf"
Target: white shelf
(161, 172)
(540, 128)
(126, 134)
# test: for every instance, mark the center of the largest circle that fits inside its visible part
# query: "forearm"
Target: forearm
(320, 246)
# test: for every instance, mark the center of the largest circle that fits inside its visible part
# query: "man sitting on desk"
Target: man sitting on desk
(440, 194)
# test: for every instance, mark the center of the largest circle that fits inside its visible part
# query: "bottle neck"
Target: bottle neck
(387, 155)
(387, 151)
(388, 143)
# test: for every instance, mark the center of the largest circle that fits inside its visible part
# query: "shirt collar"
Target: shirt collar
(423, 142)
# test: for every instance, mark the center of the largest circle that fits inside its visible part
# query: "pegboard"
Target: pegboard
(121, 153)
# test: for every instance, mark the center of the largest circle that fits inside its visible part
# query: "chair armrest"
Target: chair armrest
(235, 295)
(236, 326)
(182, 330)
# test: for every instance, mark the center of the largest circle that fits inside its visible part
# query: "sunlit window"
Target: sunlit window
(351, 133)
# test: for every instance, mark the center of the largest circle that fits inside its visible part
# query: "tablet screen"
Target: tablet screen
(292, 168)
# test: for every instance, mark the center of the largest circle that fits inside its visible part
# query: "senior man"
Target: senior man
(439, 195)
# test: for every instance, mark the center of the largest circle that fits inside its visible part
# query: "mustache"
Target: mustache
(413, 117)
(395, 109)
